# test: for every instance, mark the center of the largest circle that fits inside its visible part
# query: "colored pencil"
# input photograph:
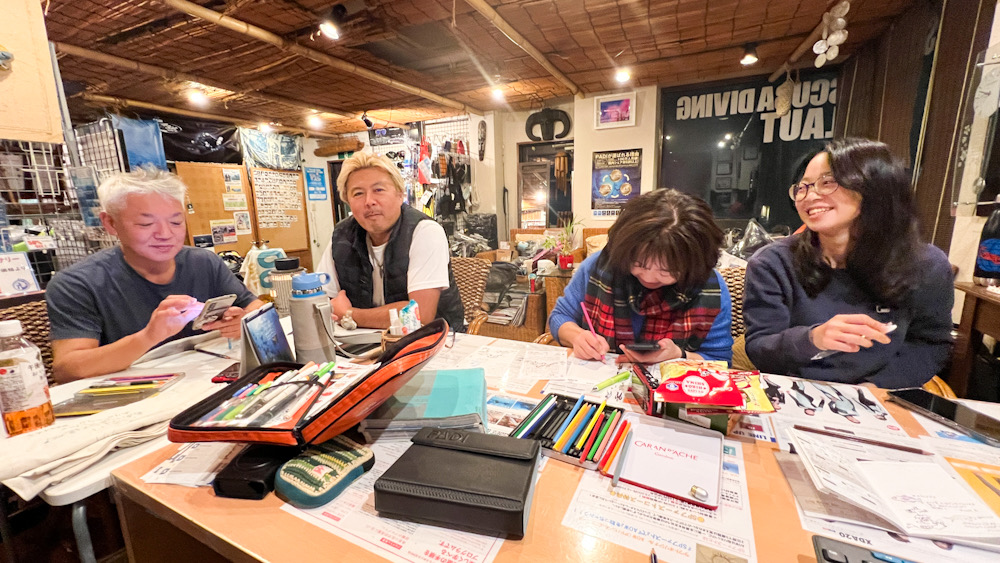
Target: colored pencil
(569, 418)
(535, 417)
(567, 434)
(608, 419)
(592, 438)
(621, 458)
(613, 446)
(608, 435)
(590, 425)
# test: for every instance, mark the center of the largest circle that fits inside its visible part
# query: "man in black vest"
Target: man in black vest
(386, 253)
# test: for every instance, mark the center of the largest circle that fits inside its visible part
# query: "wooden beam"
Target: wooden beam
(114, 101)
(516, 38)
(261, 34)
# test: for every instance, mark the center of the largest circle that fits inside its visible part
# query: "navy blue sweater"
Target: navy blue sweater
(779, 316)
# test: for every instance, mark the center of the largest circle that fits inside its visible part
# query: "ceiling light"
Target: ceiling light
(265, 128)
(729, 136)
(367, 120)
(623, 75)
(498, 94)
(315, 121)
(331, 23)
(749, 54)
(722, 144)
(197, 97)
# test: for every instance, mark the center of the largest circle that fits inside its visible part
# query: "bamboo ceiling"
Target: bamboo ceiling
(418, 59)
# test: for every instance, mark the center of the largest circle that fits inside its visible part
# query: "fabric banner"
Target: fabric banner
(615, 180)
(271, 150)
(143, 143)
(193, 140)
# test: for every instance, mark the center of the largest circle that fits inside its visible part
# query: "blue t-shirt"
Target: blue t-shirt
(103, 298)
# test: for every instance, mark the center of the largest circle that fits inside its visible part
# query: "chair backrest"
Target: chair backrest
(470, 277)
(734, 280)
(31, 310)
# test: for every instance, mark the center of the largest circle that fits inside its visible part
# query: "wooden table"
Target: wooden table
(173, 523)
(980, 315)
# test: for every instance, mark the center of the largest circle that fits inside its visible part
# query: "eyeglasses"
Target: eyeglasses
(826, 185)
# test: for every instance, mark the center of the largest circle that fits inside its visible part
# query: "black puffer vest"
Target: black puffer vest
(354, 267)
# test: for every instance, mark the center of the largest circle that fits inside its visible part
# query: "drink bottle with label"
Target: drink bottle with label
(24, 389)
(987, 270)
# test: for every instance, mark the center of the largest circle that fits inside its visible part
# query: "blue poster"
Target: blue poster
(84, 180)
(143, 142)
(316, 184)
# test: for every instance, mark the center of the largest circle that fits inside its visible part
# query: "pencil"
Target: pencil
(613, 444)
(612, 428)
(621, 458)
(613, 451)
(566, 440)
(608, 420)
(569, 418)
(590, 425)
(550, 432)
(863, 440)
(592, 438)
(535, 417)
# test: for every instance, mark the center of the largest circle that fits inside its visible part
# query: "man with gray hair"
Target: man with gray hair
(387, 252)
(111, 308)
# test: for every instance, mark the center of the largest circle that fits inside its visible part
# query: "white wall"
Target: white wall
(968, 227)
(319, 213)
(643, 135)
(512, 124)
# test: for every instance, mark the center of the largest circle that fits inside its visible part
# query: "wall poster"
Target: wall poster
(615, 180)
(729, 144)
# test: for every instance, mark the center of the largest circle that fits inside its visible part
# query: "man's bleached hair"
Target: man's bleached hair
(362, 160)
(114, 189)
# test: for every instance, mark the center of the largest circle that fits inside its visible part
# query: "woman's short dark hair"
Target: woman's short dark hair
(669, 227)
(884, 238)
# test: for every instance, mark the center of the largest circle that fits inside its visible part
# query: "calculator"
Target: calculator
(829, 550)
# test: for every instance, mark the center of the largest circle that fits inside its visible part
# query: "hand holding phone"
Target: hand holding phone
(213, 311)
(643, 346)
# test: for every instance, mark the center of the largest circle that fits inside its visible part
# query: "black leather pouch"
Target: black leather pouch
(463, 480)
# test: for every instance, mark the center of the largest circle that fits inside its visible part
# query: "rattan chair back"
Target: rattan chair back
(470, 277)
(31, 310)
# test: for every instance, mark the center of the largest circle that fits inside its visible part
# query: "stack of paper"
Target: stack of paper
(194, 465)
(916, 492)
(437, 398)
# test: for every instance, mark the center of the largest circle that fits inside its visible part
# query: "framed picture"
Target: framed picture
(723, 184)
(617, 110)
(723, 168)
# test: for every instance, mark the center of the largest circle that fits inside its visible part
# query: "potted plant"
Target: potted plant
(561, 243)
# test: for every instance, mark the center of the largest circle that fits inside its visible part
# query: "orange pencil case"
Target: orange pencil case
(306, 425)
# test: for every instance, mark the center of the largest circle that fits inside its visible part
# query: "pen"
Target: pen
(214, 354)
(612, 380)
(589, 323)
(652, 556)
(861, 440)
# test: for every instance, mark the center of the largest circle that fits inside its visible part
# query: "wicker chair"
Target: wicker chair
(31, 310)
(470, 277)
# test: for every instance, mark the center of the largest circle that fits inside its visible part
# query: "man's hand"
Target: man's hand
(340, 304)
(849, 333)
(171, 315)
(229, 324)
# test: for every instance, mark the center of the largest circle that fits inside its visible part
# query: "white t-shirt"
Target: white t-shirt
(428, 268)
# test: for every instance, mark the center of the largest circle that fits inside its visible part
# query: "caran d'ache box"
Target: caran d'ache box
(464, 480)
(322, 417)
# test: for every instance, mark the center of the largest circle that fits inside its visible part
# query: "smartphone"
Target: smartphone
(950, 413)
(213, 311)
(643, 346)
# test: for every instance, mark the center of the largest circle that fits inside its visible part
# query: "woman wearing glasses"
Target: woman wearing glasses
(653, 283)
(855, 297)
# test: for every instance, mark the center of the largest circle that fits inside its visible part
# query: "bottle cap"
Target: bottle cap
(10, 328)
(284, 264)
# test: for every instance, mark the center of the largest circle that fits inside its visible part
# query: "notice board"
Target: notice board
(280, 203)
(219, 205)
